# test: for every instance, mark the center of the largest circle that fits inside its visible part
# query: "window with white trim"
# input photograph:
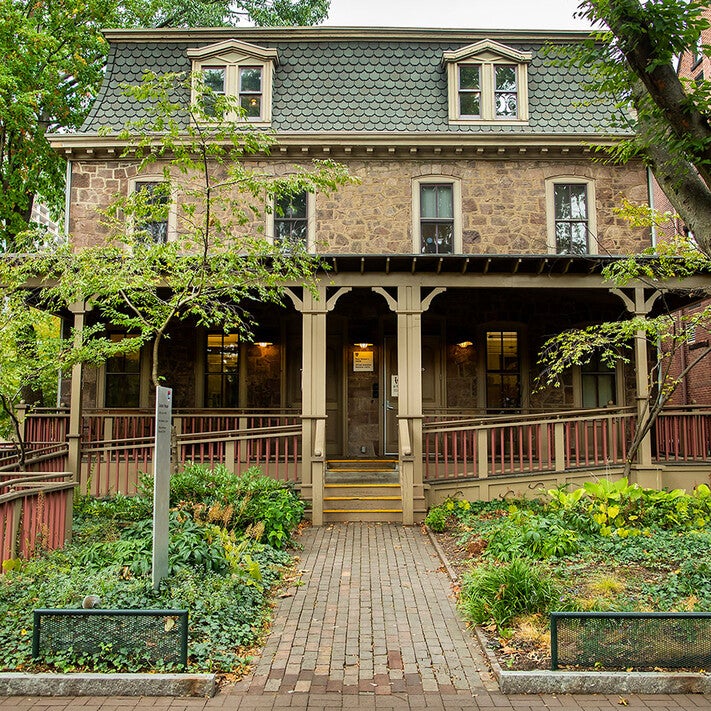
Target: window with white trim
(437, 215)
(488, 83)
(292, 221)
(571, 220)
(240, 70)
(152, 210)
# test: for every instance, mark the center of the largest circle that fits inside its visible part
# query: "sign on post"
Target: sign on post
(161, 483)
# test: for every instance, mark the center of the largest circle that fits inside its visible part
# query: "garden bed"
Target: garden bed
(228, 536)
(607, 547)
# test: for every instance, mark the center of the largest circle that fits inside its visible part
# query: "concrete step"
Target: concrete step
(383, 516)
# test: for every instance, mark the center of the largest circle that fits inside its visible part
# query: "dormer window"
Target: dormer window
(238, 69)
(488, 83)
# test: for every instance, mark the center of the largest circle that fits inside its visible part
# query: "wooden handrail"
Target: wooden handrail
(498, 421)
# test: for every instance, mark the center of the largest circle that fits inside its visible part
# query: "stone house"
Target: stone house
(480, 226)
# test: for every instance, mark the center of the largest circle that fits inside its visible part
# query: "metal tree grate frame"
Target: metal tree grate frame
(623, 640)
(145, 636)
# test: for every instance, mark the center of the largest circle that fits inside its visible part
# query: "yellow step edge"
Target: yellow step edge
(361, 511)
(356, 485)
(362, 498)
(359, 470)
(362, 461)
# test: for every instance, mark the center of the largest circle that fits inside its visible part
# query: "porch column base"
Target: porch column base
(649, 477)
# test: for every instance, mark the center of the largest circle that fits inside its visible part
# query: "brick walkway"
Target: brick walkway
(372, 627)
(374, 615)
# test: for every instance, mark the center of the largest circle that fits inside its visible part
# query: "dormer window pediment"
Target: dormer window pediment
(239, 69)
(234, 48)
(487, 83)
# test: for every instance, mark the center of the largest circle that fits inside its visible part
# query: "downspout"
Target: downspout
(650, 195)
(67, 203)
(653, 238)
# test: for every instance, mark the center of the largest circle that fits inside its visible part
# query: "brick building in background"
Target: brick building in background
(695, 388)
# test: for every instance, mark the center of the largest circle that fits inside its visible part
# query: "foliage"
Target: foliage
(622, 509)
(53, 61)
(33, 350)
(223, 577)
(523, 534)
(238, 502)
(499, 593)
(217, 259)
(436, 519)
(632, 59)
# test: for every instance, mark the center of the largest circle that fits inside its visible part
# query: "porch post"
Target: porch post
(646, 473)
(313, 402)
(79, 310)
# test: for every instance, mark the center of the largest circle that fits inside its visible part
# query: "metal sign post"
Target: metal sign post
(161, 483)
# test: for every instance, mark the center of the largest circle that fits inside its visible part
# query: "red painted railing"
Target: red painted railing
(117, 447)
(683, 436)
(524, 444)
(34, 512)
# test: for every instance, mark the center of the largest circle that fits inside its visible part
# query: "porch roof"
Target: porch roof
(469, 263)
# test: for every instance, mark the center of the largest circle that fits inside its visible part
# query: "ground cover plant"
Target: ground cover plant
(227, 539)
(606, 546)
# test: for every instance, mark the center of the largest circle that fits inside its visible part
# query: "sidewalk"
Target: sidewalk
(373, 626)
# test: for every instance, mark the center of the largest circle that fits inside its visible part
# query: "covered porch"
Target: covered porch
(398, 381)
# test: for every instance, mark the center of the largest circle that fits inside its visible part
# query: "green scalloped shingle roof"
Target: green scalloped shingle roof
(369, 86)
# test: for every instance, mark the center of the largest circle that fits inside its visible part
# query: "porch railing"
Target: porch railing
(525, 444)
(683, 435)
(118, 447)
(34, 512)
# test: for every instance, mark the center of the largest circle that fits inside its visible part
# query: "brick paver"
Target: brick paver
(375, 614)
(372, 626)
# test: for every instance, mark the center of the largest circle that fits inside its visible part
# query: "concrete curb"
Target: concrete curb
(591, 682)
(581, 682)
(20, 684)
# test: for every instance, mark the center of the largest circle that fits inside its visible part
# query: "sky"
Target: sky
(472, 14)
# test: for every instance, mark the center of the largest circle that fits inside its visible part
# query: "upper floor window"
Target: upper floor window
(240, 70)
(436, 219)
(437, 223)
(152, 210)
(487, 83)
(293, 220)
(570, 204)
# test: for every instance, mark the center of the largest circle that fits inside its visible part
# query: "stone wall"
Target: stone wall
(503, 203)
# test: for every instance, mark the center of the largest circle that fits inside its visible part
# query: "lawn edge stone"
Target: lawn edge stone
(22, 684)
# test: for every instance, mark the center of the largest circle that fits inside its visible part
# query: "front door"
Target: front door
(431, 386)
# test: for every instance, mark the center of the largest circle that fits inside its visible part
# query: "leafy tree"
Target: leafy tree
(218, 257)
(666, 334)
(632, 57)
(53, 58)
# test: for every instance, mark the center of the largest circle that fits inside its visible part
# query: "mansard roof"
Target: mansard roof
(362, 80)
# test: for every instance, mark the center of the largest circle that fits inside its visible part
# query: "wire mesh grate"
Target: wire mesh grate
(148, 636)
(613, 640)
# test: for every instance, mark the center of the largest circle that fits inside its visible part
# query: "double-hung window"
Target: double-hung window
(122, 376)
(488, 83)
(436, 215)
(436, 218)
(250, 91)
(291, 219)
(570, 205)
(222, 370)
(152, 208)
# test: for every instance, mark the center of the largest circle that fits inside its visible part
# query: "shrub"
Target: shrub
(526, 535)
(499, 593)
(235, 501)
(436, 519)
